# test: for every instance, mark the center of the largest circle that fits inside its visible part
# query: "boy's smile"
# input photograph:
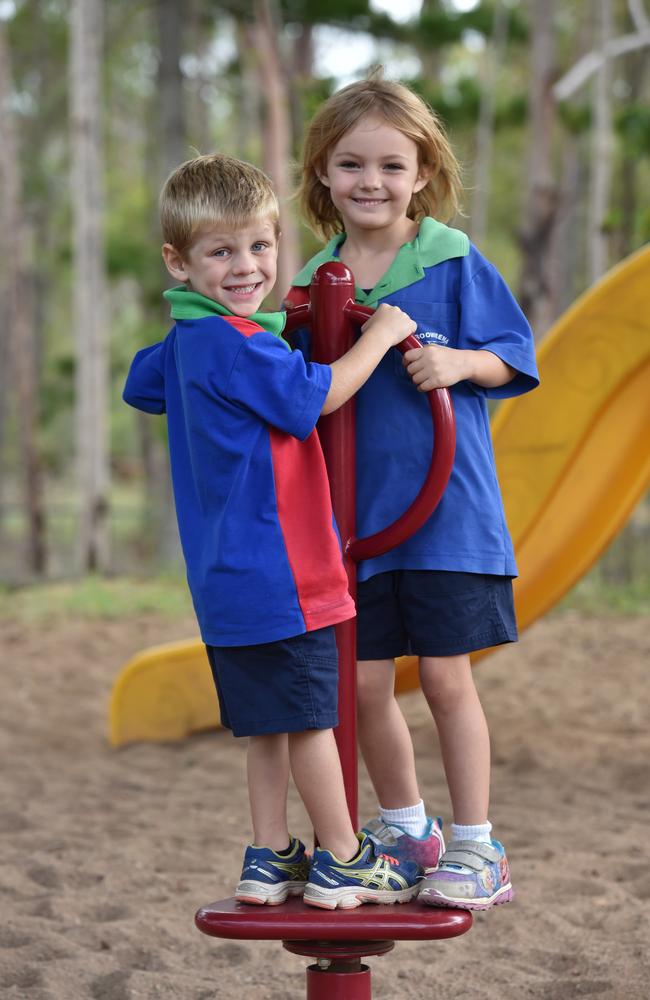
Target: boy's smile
(236, 268)
(372, 173)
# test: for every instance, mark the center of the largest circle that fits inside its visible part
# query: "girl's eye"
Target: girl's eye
(394, 166)
(348, 164)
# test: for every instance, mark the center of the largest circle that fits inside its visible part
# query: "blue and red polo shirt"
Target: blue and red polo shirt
(252, 497)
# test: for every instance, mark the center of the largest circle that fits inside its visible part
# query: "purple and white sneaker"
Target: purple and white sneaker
(425, 850)
(471, 876)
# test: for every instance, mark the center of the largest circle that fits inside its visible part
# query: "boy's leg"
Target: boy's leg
(268, 781)
(317, 773)
(347, 869)
(384, 736)
(448, 686)
(275, 865)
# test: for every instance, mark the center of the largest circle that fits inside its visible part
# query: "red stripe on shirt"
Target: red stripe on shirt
(305, 516)
(244, 326)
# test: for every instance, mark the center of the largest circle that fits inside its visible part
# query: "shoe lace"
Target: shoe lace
(390, 858)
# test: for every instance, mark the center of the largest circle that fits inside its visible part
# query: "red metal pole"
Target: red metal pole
(333, 334)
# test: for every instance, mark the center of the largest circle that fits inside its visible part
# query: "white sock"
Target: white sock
(480, 832)
(411, 819)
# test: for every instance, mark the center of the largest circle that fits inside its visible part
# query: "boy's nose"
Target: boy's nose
(244, 263)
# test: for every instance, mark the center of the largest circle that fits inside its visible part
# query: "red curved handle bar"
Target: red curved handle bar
(434, 485)
(442, 458)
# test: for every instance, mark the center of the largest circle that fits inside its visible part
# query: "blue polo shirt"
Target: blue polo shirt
(252, 497)
(459, 300)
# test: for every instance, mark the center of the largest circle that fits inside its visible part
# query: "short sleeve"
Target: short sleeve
(491, 320)
(145, 384)
(278, 385)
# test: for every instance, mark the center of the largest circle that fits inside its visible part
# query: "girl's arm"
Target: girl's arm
(434, 367)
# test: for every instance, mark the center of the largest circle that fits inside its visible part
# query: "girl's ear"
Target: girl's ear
(423, 178)
(323, 178)
(174, 262)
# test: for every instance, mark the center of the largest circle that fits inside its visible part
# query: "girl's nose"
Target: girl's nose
(371, 179)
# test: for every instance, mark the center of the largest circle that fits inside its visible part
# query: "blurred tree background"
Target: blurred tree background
(546, 102)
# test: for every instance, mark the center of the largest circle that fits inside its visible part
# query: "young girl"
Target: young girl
(378, 174)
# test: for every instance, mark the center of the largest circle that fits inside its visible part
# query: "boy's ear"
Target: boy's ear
(174, 262)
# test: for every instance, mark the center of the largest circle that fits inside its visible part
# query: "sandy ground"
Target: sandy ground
(107, 854)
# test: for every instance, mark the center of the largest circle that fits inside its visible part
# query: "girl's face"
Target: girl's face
(372, 173)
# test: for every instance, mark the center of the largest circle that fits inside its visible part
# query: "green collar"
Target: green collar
(434, 243)
(192, 305)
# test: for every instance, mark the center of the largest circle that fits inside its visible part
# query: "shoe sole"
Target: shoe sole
(433, 897)
(349, 898)
(259, 894)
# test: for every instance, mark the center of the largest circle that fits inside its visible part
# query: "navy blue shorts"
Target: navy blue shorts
(432, 613)
(278, 687)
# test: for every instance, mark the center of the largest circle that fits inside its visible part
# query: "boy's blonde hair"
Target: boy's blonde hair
(405, 111)
(214, 190)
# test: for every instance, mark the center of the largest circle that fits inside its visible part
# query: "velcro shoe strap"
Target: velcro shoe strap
(378, 831)
(470, 853)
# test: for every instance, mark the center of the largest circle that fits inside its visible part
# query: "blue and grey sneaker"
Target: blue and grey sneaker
(370, 877)
(269, 877)
(394, 840)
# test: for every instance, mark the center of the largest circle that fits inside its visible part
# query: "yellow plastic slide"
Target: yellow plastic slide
(573, 459)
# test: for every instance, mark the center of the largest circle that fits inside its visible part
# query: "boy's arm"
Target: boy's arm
(145, 384)
(386, 328)
(434, 367)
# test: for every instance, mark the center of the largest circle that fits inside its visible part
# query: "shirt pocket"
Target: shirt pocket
(437, 322)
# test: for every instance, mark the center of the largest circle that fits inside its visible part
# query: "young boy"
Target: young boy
(256, 525)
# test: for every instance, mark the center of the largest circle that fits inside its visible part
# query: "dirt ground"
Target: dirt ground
(107, 854)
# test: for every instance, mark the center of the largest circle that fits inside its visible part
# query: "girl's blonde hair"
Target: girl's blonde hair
(405, 111)
(214, 190)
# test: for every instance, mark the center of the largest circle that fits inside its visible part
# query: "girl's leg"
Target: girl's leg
(317, 773)
(268, 780)
(448, 686)
(384, 736)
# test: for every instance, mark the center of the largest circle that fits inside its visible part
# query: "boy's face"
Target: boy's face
(236, 268)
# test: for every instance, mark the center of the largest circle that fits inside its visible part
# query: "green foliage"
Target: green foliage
(633, 126)
(599, 597)
(575, 116)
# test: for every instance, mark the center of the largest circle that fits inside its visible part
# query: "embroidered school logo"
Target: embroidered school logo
(432, 337)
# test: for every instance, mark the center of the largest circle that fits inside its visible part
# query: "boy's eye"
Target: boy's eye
(259, 246)
(220, 252)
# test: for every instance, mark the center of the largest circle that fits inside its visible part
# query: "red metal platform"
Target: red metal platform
(295, 921)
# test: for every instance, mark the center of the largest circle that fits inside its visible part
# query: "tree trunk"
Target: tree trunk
(602, 150)
(541, 202)
(19, 347)
(485, 128)
(171, 18)
(89, 280)
(277, 145)
(172, 149)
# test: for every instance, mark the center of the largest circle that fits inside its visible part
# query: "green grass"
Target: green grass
(595, 595)
(93, 598)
